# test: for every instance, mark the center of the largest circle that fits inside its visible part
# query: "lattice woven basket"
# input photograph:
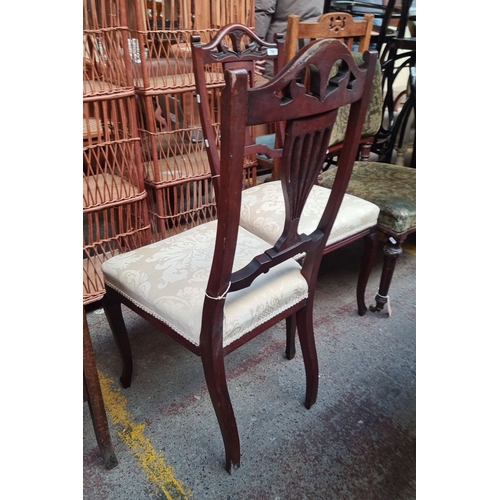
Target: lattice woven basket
(142, 48)
(106, 37)
(109, 231)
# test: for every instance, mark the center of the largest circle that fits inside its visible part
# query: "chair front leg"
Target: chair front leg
(308, 346)
(113, 310)
(365, 150)
(212, 358)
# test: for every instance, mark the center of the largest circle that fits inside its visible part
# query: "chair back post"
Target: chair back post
(349, 152)
(364, 41)
(231, 173)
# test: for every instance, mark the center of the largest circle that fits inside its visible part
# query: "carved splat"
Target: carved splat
(337, 23)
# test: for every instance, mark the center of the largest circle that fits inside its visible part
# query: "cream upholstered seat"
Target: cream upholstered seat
(215, 287)
(263, 213)
(168, 280)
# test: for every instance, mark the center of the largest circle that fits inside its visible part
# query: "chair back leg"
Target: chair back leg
(369, 255)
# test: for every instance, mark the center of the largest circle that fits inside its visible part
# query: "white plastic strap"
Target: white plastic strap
(221, 297)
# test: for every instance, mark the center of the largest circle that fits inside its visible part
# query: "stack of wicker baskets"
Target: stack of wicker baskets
(115, 216)
(146, 174)
(176, 170)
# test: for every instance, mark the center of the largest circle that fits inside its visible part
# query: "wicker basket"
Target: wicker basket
(174, 208)
(112, 167)
(106, 232)
(107, 69)
(161, 32)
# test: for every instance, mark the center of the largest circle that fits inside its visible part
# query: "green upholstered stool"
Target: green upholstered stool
(393, 189)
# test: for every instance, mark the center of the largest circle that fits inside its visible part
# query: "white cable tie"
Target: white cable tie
(198, 98)
(221, 297)
(207, 144)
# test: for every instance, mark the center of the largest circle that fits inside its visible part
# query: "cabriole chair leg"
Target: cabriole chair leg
(291, 328)
(215, 376)
(306, 336)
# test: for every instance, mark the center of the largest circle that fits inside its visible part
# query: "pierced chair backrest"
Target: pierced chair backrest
(308, 114)
(339, 25)
(234, 47)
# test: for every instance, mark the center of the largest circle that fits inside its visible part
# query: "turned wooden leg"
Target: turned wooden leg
(364, 153)
(308, 346)
(93, 394)
(291, 328)
(113, 309)
(392, 250)
(212, 358)
(369, 255)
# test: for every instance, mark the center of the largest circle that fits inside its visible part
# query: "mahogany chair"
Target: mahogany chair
(216, 286)
(263, 206)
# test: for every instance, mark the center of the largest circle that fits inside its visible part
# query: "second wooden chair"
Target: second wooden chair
(263, 206)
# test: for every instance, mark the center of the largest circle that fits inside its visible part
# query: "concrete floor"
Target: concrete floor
(356, 442)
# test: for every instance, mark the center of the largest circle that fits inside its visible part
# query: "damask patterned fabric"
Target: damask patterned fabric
(168, 279)
(263, 213)
(374, 113)
(391, 187)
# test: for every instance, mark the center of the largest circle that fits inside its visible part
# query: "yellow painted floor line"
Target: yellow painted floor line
(132, 434)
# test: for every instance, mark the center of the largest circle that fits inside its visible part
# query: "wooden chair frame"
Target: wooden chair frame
(309, 115)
